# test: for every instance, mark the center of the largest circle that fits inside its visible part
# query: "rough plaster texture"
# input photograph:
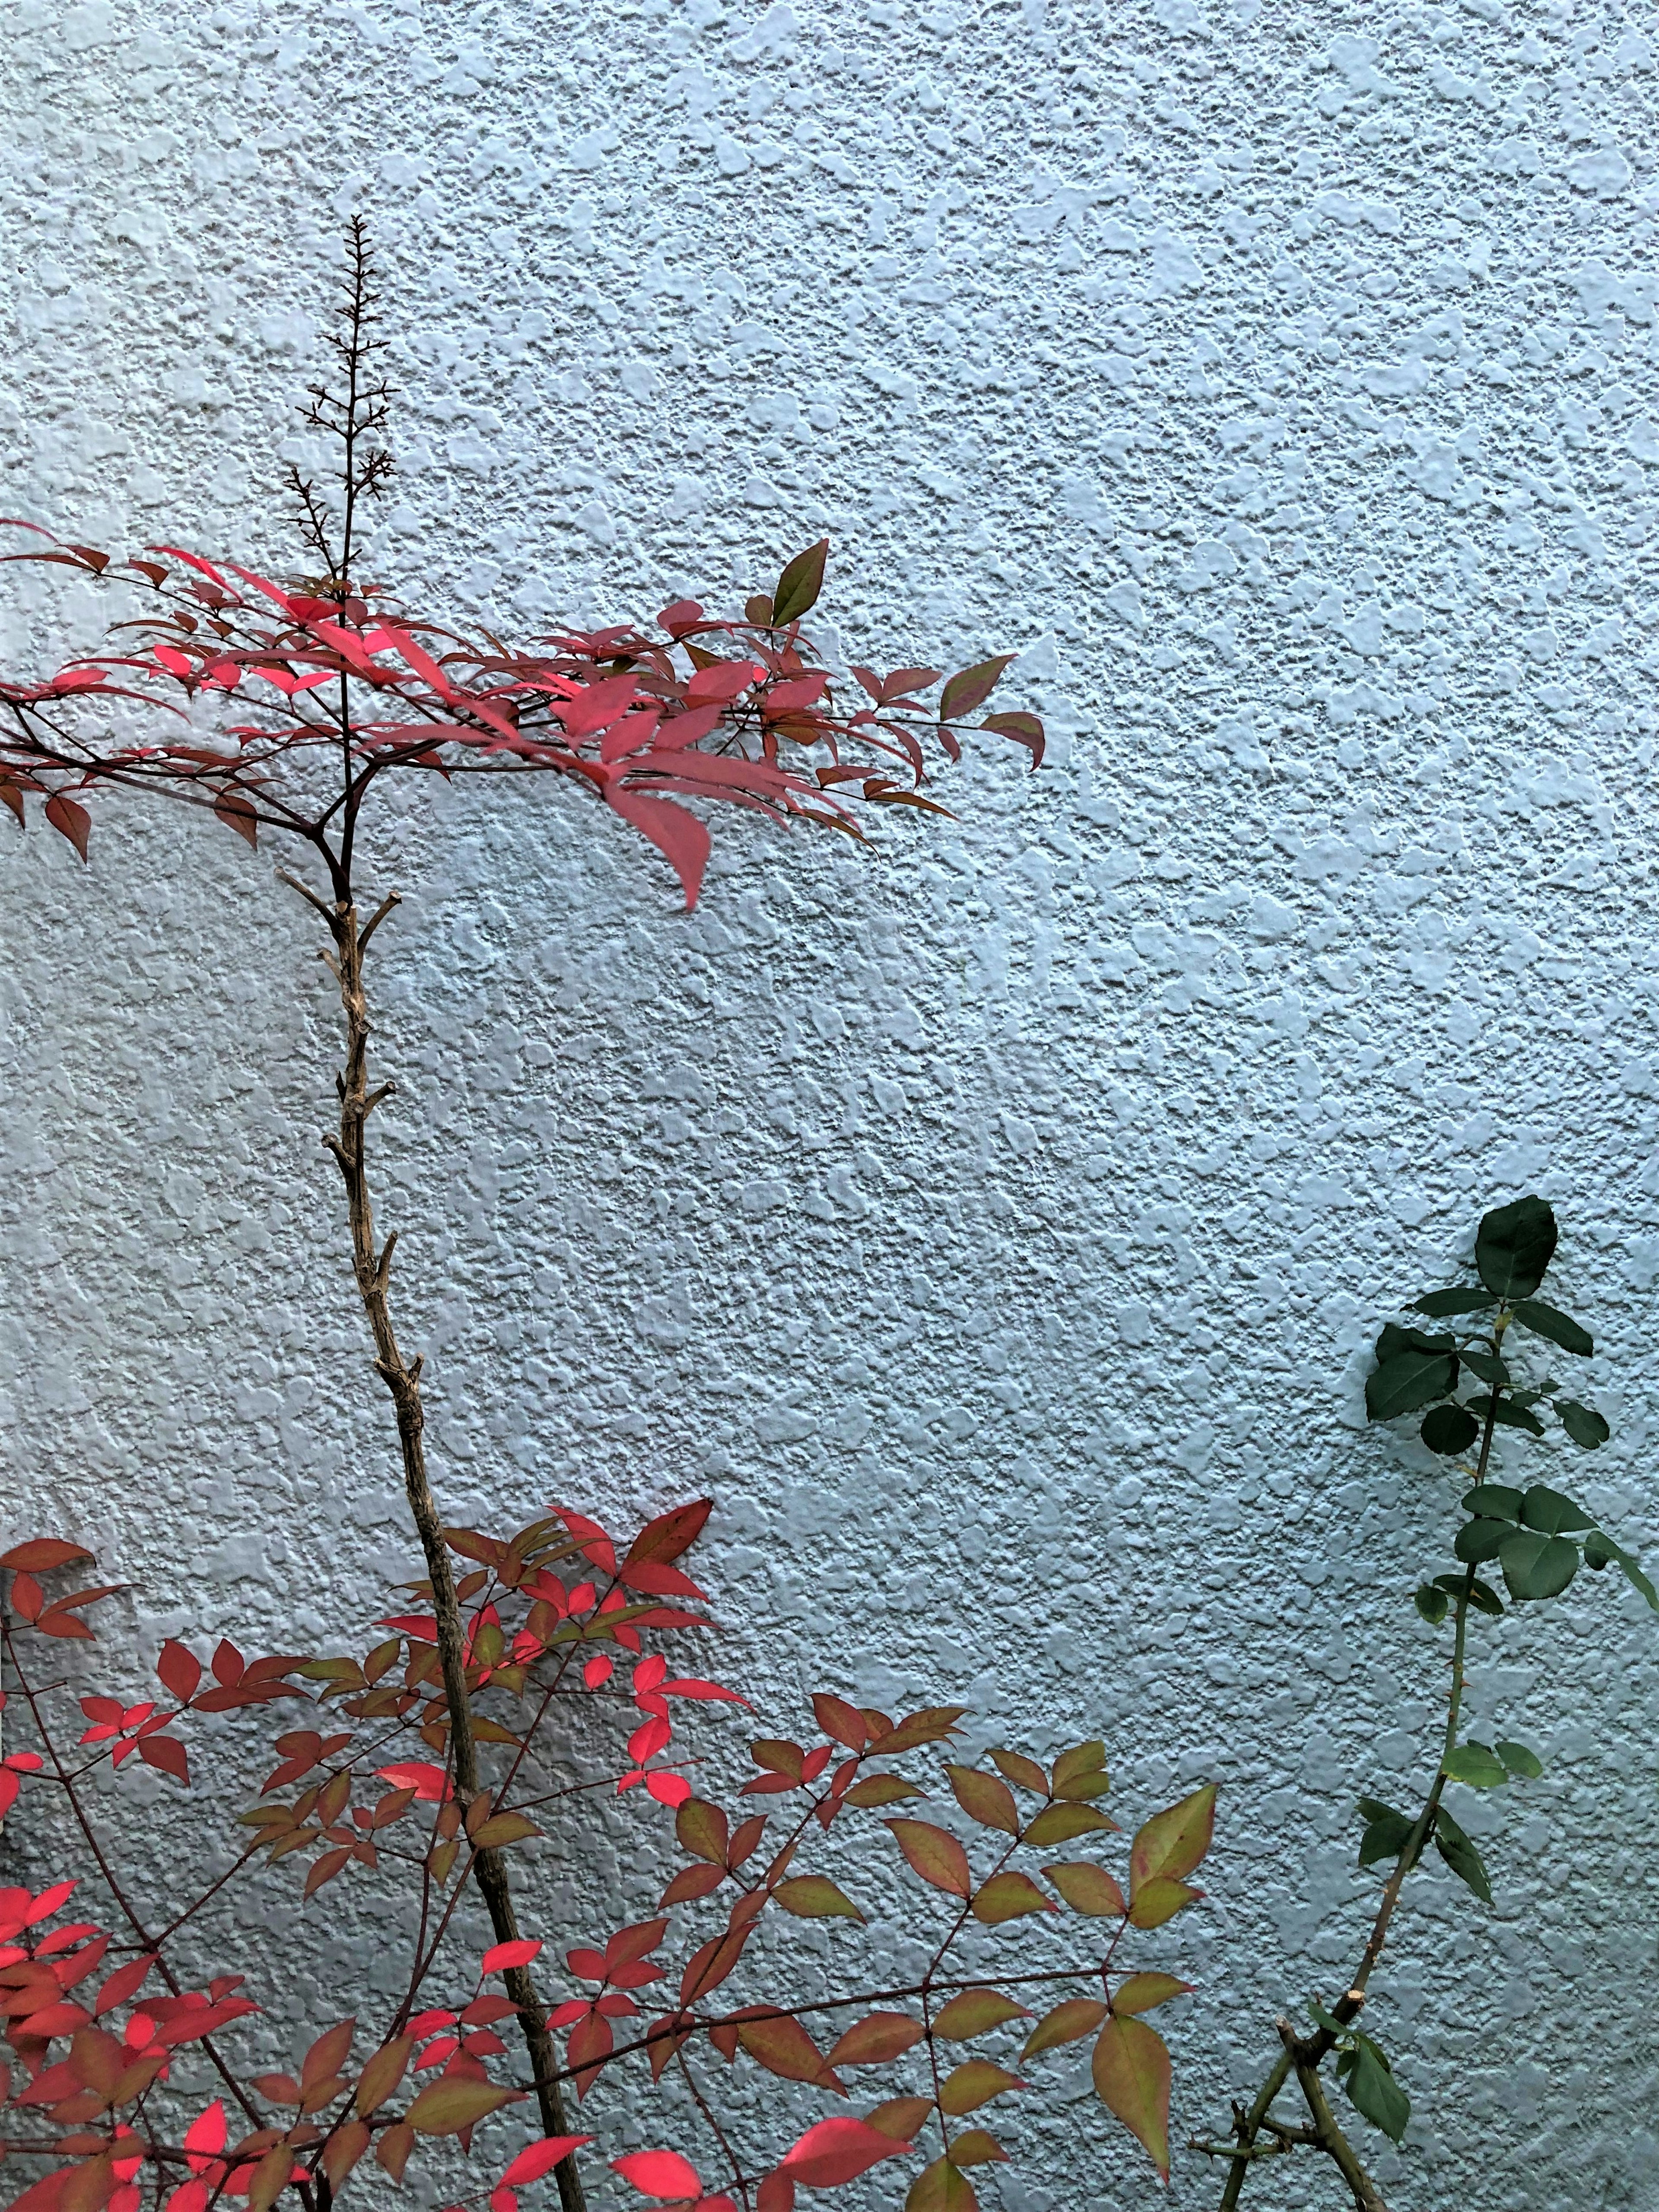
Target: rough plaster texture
(995, 1222)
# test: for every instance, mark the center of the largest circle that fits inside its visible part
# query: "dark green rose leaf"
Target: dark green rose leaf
(1506, 1414)
(1487, 1370)
(1582, 1422)
(1534, 1394)
(1484, 1598)
(1496, 1500)
(1374, 2092)
(1386, 1833)
(1460, 1855)
(1559, 1327)
(1432, 1603)
(1537, 1567)
(1437, 1303)
(1395, 1340)
(1514, 1247)
(1449, 1430)
(1519, 1760)
(1480, 1539)
(1476, 1764)
(1408, 1381)
(1546, 1509)
(1601, 1550)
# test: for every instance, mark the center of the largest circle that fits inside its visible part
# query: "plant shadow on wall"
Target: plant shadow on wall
(430, 1755)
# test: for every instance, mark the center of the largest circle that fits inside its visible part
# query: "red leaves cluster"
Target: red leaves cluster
(734, 712)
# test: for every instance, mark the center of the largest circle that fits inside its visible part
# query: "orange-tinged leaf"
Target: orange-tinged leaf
(1082, 1759)
(1017, 1767)
(1088, 1888)
(1142, 1991)
(902, 2118)
(973, 2083)
(1059, 1823)
(327, 2055)
(975, 2147)
(448, 2106)
(269, 2178)
(393, 2147)
(845, 1722)
(1007, 1896)
(942, 2188)
(1172, 1843)
(1158, 1900)
(692, 1881)
(702, 1830)
(815, 1896)
(783, 2047)
(875, 2039)
(976, 2012)
(932, 1725)
(936, 1856)
(984, 1799)
(41, 1553)
(1069, 2022)
(971, 687)
(503, 1828)
(1131, 2069)
(883, 1790)
(384, 2070)
(345, 2147)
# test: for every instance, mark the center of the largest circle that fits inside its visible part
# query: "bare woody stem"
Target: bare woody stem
(401, 1377)
(1331, 2137)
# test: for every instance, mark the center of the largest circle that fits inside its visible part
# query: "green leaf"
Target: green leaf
(1495, 1501)
(971, 687)
(1537, 1567)
(1475, 1763)
(1507, 1414)
(1436, 1303)
(1395, 1340)
(800, 583)
(1546, 1509)
(1373, 2091)
(1411, 1379)
(1480, 1539)
(1601, 1550)
(1432, 1603)
(1519, 1760)
(1385, 1839)
(1549, 1322)
(1484, 1598)
(1489, 1370)
(1514, 1246)
(1449, 1430)
(1460, 1855)
(1582, 1422)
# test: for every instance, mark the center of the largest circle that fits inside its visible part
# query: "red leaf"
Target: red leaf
(679, 836)
(837, 2150)
(971, 687)
(669, 1534)
(662, 2174)
(180, 1670)
(228, 1664)
(427, 1782)
(41, 1553)
(537, 2158)
(656, 1580)
(519, 1953)
(936, 1856)
(71, 817)
(167, 1753)
(123, 1982)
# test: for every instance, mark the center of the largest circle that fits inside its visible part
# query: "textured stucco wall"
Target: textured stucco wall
(995, 1222)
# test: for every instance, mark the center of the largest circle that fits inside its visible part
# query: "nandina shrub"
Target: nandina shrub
(423, 1761)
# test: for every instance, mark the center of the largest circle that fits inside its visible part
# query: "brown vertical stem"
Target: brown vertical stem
(1331, 2137)
(401, 1377)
